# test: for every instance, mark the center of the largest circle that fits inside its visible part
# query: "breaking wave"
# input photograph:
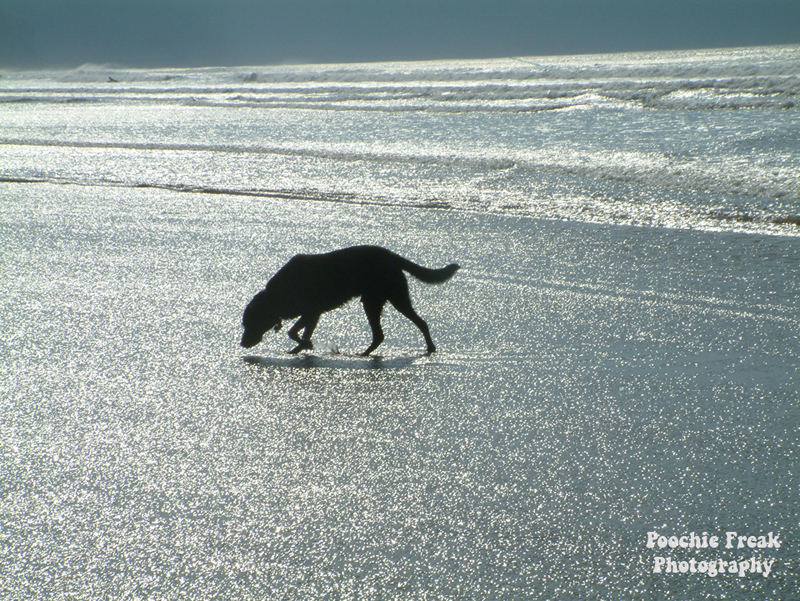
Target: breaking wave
(732, 79)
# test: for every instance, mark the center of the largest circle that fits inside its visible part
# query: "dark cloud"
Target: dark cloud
(147, 33)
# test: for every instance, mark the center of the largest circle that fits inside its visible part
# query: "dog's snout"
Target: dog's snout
(249, 340)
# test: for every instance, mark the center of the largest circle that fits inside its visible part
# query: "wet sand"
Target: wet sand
(593, 383)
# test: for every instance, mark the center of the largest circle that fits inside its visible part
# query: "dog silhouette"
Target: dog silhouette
(310, 285)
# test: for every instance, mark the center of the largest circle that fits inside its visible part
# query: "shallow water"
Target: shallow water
(593, 383)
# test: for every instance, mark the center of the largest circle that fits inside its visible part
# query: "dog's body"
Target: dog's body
(310, 285)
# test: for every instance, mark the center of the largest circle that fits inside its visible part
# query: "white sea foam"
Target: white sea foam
(766, 77)
(652, 121)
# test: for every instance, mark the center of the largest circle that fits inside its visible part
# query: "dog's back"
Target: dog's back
(331, 279)
(372, 261)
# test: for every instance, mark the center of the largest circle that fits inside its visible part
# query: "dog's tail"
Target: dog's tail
(429, 276)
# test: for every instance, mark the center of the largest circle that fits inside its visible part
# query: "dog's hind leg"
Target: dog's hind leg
(373, 309)
(307, 324)
(402, 302)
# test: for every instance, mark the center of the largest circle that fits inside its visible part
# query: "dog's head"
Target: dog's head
(259, 317)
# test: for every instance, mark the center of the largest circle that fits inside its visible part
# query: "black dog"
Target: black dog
(309, 285)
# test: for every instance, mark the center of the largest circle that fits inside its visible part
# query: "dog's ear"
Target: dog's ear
(277, 327)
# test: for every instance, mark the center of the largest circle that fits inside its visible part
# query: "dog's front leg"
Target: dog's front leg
(294, 334)
(307, 324)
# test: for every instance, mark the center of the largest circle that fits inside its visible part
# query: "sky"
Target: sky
(198, 33)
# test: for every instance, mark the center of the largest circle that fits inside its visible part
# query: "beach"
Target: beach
(593, 383)
(612, 409)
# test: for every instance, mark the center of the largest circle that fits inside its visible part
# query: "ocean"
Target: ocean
(617, 360)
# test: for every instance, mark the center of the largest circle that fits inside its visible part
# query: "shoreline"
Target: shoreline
(434, 205)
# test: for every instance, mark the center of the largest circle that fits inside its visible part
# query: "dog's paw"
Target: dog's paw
(303, 346)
